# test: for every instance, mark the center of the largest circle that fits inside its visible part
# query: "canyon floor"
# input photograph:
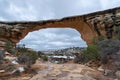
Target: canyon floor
(67, 71)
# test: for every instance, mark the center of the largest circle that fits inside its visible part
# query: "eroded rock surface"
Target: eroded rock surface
(90, 26)
(69, 72)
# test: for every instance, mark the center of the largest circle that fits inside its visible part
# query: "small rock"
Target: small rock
(21, 69)
(118, 74)
(26, 78)
(86, 77)
(107, 72)
(101, 69)
(15, 62)
(2, 71)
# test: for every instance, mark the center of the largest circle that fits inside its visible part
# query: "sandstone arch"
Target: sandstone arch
(89, 25)
(20, 30)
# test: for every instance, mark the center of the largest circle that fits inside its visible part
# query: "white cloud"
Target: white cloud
(59, 43)
(77, 38)
(105, 4)
(22, 13)
(2, 19)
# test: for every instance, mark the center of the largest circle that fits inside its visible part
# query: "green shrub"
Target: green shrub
(78, 58)
(33, 56)
(28, 58)
(21, 48)
(94, 40)
(44, 58)
(9, 47)
(100, 38)
(9, 68)
(116, 30)
(2, 32)
(91, 53)
(107, 48)
(40, 54)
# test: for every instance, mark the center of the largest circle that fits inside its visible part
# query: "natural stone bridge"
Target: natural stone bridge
(89, 25)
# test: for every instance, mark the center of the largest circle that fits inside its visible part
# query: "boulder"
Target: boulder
(2, 71)
(117, 75)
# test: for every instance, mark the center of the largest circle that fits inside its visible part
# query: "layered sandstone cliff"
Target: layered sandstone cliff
(89, 25)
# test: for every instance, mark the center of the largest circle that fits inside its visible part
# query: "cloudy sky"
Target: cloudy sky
(55, 38)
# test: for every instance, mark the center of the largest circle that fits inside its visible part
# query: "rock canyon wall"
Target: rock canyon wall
(90, 26)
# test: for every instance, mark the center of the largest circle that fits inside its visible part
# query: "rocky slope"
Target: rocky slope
(68, 71)
(89, 25)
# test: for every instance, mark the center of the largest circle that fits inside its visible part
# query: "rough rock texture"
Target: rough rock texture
(89, 25)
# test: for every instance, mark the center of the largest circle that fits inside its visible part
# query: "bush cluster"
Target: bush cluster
(108, 48)
(116, 30)
(42, 56)
(9, 47)
(28, 58)
(91, 53)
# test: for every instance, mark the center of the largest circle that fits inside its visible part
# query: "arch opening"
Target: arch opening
(53, 39)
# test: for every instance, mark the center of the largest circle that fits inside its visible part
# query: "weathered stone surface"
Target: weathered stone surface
(89, 25)
(118, 74)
